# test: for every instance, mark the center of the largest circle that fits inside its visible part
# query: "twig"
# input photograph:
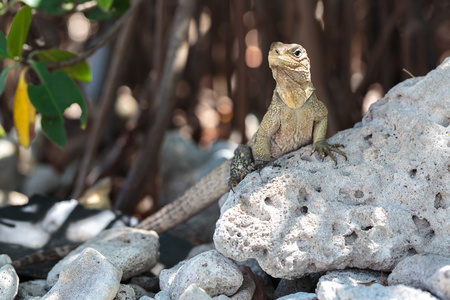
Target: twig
(164, 104)
(106, 101)
(102, 41)
(409, 73)
(85, 6)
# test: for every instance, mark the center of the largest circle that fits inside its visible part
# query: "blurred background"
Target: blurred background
(199, 68)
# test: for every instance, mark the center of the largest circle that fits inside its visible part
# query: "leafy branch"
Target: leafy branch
(55, 68)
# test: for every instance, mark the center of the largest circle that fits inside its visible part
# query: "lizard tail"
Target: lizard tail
(41, 256)
(197, 198)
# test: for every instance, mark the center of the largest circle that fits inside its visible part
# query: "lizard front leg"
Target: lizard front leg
(321, 145)
(242, 164)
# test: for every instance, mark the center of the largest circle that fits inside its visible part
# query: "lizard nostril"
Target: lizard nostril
(277, 52)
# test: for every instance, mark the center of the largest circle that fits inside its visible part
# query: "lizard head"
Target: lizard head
(290, 69)
(289, 60)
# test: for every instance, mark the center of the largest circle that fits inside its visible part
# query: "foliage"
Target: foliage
(57, 90)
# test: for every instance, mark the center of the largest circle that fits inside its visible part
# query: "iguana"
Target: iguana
(294, 118)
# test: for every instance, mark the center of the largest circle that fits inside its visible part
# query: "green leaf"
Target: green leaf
(3, 77)
(3, 46)
(2, 132)
(105, 4)
(18, 32)
(53, 7)
(117, 8)
(80, 71)
(56, 92)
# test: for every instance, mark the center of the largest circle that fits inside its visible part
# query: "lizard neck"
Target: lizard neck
(293, 93)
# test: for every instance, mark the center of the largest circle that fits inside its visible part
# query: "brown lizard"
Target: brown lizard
(294, 118)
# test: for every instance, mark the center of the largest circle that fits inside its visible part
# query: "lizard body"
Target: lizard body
(294, 118)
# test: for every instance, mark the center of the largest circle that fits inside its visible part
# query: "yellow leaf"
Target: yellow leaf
(24, 112)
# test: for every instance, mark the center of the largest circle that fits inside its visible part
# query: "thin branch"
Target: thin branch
(102, 41)
(106, 101)
(164, 103)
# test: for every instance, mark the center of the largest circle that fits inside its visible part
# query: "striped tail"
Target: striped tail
(197, 198)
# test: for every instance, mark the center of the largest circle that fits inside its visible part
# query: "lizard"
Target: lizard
(294, 118)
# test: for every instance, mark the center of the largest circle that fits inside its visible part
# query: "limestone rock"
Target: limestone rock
(287, 287)
(194, 292)
(391, 199)
(90, 276)
(150, 284)
(429, 272)
(9, 282)
(210, 271)
(4, 260)
(125, 293)
(360, 284)
(300, 296)
(33, 288)
(132, 250)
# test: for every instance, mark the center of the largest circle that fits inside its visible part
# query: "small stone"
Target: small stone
(299, 296)
(4, 260)
(210, 270)
(125, 293)
(150, 284)
(9, 282)
(363, 284)
(194, 292)
(133, 250)
(428, 272)
(90, 276)
(33, 288)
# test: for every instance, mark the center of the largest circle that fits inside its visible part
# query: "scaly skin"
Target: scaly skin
(295, 118)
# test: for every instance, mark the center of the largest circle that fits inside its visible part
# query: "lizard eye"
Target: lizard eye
(297, 53)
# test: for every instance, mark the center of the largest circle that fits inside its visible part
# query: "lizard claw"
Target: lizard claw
(260, 164)
(326, 149)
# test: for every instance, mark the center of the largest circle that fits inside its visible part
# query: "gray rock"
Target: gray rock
(10, 179)
(163, 295)
(125, 293)
(90, 276)
(428, 272)
(246, 290)
(132, 250)
(4, 260)
(9, 282)
(146, 298)
(210, 271)
(333, 281)
(150, 284)
(286, 287)
(194, 292)
(43, 180)
(33, 288)
(361, 284)
(200, 249)
(140, 291)
(390, 199)
(299, 296)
